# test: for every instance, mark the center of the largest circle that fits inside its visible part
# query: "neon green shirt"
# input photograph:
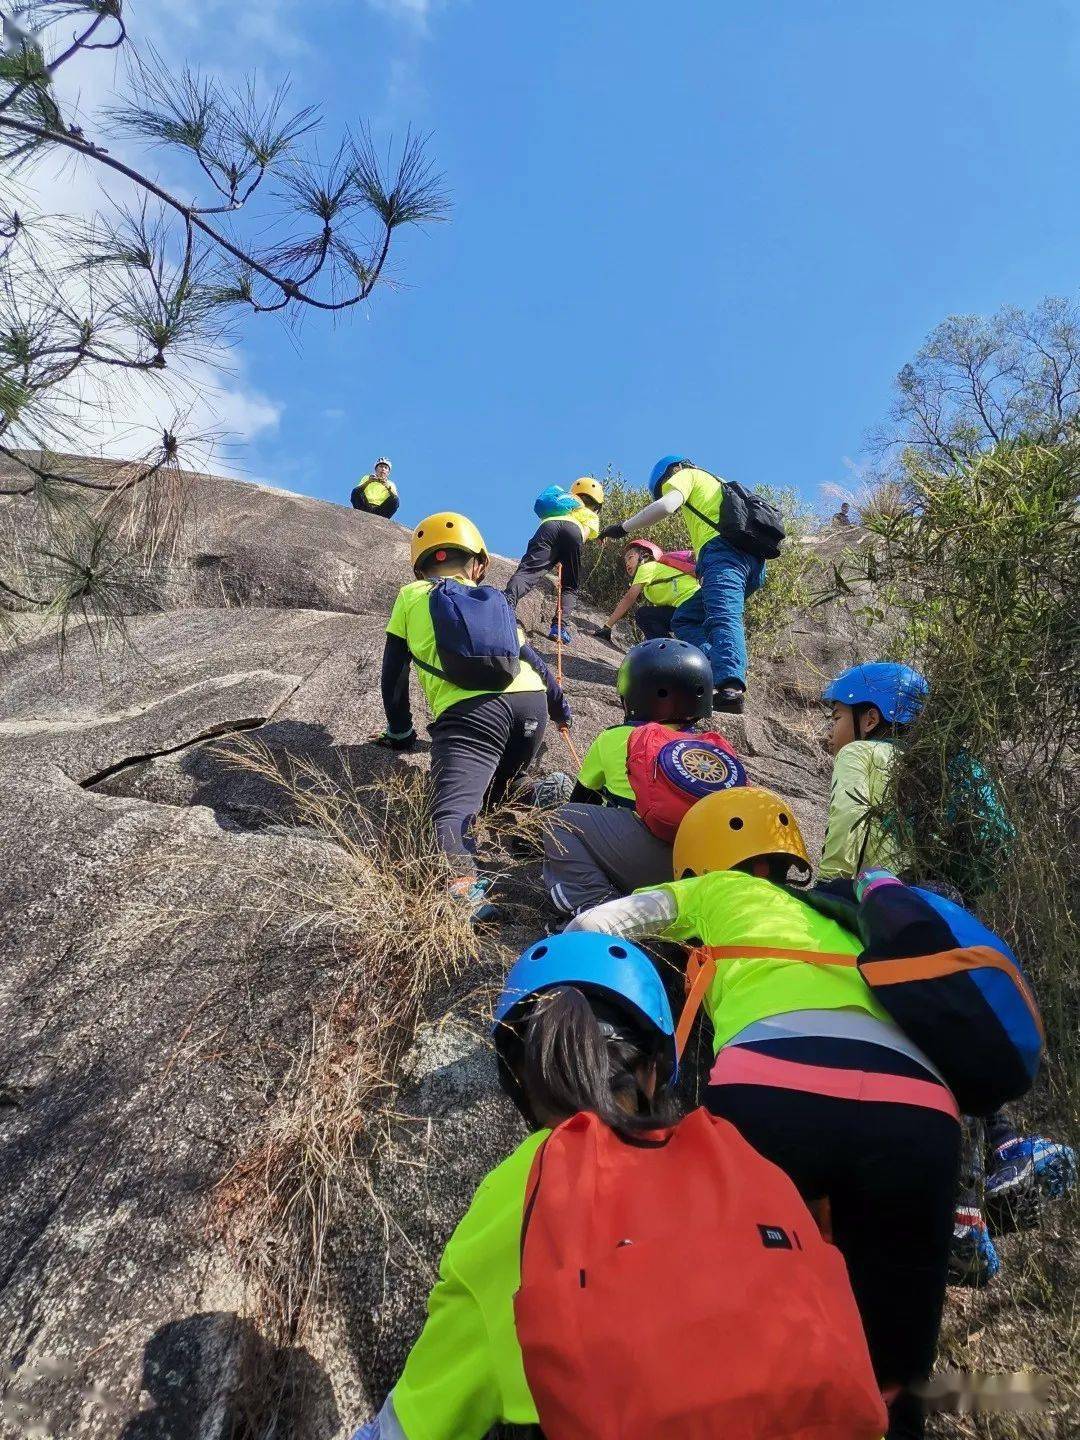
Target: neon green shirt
(663, 584)
(705, 492)
(376, 491)
(604, 766)
(465, 1373)
(852, 841)
(588, 519)
(410, 620)
(731, 908)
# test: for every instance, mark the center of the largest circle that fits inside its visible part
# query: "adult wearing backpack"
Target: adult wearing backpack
(610, 839)
(376, 492)
(575, 1295)
(811, 1069)
(664, 582)
(872, 707)
(732, 533)
(490, 713)
(567, 519)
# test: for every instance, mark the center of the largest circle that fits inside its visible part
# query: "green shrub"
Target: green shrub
(980, 573)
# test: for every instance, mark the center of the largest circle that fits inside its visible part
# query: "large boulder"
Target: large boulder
(160, 976)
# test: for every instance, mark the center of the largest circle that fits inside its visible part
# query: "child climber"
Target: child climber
(663, 586)
(811, 1070)
(598, 846)
(872, 707)
(574, 1295)
(376, 493)
(559, 540)
(482, 736)
(729, 572)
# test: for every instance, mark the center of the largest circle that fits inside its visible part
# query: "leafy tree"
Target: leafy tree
(154, 280)
(978, 382)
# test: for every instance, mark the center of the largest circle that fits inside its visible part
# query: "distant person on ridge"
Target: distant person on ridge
(732, 532)
(376, 493)
(567, 520)
(663, 586)
(489, 693)
(842, 518)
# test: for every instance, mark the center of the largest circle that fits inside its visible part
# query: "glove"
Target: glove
(395, 742)
(559, 712)
(604, 633)
(613, 532)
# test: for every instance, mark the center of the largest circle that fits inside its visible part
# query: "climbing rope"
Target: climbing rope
(565, 733)
(558, 623)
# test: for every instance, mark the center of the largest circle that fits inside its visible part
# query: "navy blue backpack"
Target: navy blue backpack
(951, 984)
(476, 636)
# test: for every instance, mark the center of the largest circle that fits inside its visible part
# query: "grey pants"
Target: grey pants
(596, 853)
(478, 749)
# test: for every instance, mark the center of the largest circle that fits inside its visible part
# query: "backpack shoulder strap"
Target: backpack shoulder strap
(695, 511)
(422, 664)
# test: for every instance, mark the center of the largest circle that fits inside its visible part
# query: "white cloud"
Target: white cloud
(412, 12)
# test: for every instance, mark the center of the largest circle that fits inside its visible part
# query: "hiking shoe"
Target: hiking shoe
(973, 1259)
(731, 699)
(555, 634)
(470, 891)
(1024, 1172)
(552, 791)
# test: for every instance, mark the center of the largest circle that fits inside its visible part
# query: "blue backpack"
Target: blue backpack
(555, 502)
(952, 985)
(476, 636)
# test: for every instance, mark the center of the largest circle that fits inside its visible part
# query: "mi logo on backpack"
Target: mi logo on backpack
(774, 1238)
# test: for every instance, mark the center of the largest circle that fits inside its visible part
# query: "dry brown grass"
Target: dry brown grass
(381, 906)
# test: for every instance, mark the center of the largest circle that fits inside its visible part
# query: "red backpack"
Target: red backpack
(671, 770)
(677, 1285)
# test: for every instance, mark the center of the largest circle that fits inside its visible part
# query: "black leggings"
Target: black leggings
(557, 542)
(889, 1173)
(478, 748)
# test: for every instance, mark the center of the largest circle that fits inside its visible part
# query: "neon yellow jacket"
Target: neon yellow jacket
(465, 1373)
(758, 922)
(854, 841)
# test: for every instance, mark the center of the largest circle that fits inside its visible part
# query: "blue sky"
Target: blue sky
(701, 227)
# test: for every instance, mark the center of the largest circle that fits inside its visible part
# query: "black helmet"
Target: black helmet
(666, 680)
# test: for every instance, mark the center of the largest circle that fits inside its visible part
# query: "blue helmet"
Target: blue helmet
(898, 691)
(600, 964)
(660, 469)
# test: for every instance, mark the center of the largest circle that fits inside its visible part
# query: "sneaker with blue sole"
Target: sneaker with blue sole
(470, 891)
(973, 1257)
(1024, 1174)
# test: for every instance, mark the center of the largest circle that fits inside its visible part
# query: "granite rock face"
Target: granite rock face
(148, 1006)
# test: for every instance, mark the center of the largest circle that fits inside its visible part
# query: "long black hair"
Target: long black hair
(582, 1053)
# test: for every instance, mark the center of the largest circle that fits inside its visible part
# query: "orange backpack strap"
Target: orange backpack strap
(700, 973)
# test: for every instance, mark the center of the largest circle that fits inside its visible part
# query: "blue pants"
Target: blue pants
(713, 618)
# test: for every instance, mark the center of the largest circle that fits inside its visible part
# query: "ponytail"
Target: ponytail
(575, 1058)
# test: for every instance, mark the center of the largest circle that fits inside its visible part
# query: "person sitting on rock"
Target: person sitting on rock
(376, 493)
(842, 519)
(712, 618)
(584, 1041)
(559, 540)
(811, 1069)
(664, 587)
(482, 736)
(873, 706)
(598, 847)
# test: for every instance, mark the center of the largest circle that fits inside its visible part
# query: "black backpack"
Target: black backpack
(747, 520)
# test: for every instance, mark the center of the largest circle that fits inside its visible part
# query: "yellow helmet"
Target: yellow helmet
(445, 531)
(588, 489)
(730, 826)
